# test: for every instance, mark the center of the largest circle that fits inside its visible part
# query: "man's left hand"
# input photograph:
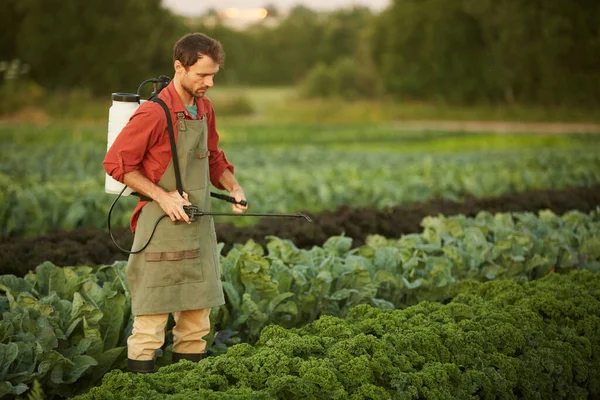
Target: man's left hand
(238, 195)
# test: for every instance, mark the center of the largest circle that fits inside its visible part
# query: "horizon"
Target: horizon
(196, 8)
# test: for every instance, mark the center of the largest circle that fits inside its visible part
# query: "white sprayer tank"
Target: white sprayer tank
(123, 107)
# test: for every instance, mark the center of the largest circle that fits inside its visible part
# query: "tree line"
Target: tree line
(455, 51)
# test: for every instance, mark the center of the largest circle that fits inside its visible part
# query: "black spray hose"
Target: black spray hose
(193, 212)
(113, 238)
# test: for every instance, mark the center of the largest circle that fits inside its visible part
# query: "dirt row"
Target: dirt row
(91, 246)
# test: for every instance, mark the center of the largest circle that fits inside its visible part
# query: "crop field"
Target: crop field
(51, 180)
(78, 318)
(450, 181)
(440, 264)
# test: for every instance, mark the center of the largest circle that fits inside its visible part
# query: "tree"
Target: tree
(429, 49)
(272, 11)
(11, 17)
(342, 31)
(114, 45)
(466, 51)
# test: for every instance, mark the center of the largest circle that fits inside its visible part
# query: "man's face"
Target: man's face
(198, 78)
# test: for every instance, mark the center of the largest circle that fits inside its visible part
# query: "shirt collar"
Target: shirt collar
(170, 95)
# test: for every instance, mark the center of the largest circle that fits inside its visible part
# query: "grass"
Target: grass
(358, 137)
(339, 111)
(282, 105)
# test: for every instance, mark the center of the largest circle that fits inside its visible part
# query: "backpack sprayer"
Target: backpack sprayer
(123, 107)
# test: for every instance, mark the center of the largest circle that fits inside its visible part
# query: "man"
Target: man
(179, 271)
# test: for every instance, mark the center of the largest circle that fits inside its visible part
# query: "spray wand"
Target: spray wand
(193, 212)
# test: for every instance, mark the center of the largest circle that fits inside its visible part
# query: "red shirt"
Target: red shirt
(144, 143)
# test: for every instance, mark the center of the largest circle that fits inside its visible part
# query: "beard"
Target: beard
(198, 94)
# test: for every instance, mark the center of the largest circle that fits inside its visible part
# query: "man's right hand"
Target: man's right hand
(172, 204)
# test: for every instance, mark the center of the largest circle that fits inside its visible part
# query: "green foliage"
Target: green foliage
(459, 52)
(47, 183)
(17, 91)
(36, 392)
(115, 44)
(355, 80)
(320, 82)
(61, 327)
(501, 339)
(346, 78)
(233, 105)
(10, 20)
(113, 30)
(285, 52)
(66, 327)
(464, 51)
(290, 287)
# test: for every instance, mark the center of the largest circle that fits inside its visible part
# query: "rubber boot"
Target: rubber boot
(140, 366)
(193, 357)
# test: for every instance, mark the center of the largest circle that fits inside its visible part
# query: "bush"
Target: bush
(320, 82)
(17, 91)
(77, 103)
(346, 78)
(233, 105)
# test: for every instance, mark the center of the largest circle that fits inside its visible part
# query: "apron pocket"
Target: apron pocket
(173, 262)
(172, 255)
(197, 169)
(160, 272)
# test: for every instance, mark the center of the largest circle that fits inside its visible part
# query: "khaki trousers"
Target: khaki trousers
(149, 333)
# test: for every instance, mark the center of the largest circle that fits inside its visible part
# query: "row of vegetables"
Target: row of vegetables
(65, 328)
(43, 190)
(502, 339)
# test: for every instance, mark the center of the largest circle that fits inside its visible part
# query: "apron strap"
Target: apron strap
(173, 145)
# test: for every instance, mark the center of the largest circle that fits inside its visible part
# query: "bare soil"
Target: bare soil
(92, 246)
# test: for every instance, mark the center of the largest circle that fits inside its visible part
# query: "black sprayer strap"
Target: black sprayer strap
(173, 145)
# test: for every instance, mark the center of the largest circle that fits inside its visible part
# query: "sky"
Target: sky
(198, 7)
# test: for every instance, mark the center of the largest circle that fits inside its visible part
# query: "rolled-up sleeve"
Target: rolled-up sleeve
(217, 161)
(129, 148)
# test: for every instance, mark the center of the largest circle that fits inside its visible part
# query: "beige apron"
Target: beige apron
(179, 270)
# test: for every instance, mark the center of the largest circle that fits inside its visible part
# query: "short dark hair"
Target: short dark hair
(193, 46)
